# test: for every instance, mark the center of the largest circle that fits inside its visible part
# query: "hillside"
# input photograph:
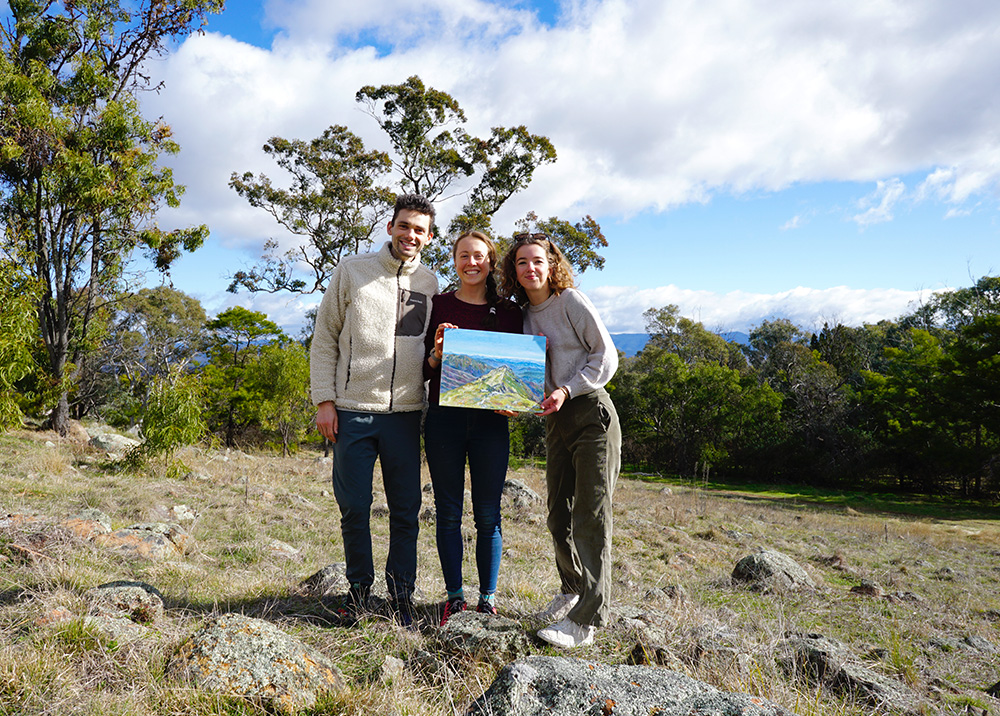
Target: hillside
(500, 389)
(913, 601)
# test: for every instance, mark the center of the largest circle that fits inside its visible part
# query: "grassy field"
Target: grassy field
(669, 539)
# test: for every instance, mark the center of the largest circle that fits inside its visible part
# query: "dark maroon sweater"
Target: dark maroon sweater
(446, 308)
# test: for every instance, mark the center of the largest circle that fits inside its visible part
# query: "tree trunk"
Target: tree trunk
(60, 415)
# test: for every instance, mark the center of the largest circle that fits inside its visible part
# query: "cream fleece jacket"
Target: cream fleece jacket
(368, 349)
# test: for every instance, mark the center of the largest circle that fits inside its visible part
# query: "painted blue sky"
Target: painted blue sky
(490, 344)
(746, 160)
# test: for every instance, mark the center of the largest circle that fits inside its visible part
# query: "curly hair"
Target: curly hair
(560, 269)
(413, 202)
(493, 297)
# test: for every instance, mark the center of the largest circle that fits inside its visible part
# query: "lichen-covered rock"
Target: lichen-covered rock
(820, 659)
(768, 570)
(495, 639)
(518, 493)
(242, 656)
(88, 523)
(112, 443)
(136, 601)
(331, 578)
(153, 540)
(556, 686)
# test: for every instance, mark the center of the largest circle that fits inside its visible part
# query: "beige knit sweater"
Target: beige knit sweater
(368, 349)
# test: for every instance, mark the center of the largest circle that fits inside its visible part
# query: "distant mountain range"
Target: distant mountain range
(632, 343)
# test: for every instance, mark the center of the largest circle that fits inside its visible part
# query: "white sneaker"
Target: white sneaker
(567, 634)
(558, 608)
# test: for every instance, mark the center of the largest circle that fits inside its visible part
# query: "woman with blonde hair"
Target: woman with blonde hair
(453, 435)
(582, 433)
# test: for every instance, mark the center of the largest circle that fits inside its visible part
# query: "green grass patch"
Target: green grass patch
(932, 506)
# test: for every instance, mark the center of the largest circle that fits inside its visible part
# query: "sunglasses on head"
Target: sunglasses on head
(530, 237)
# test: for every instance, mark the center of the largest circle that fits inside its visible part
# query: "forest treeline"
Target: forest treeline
(909, 404)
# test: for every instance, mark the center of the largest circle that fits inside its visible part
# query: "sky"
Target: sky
(746, 160)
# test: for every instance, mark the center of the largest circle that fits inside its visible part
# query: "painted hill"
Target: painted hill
(498, 389)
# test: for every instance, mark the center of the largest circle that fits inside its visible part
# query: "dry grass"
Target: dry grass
(683, 538)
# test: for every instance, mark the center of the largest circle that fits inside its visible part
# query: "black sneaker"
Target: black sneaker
(452, 607)
(355, 605)
(485, 607)
(403, 610)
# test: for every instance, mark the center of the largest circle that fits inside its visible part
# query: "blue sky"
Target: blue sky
(746, 160)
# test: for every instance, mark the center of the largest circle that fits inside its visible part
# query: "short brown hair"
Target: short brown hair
(560, 269)
(413, 202)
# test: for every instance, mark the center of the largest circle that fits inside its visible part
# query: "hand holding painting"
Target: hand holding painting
(437, 355)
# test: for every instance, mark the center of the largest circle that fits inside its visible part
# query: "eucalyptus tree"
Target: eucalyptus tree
(340, 193)
(80, 176)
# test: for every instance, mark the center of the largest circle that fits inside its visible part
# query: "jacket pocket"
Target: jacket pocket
(411, 314)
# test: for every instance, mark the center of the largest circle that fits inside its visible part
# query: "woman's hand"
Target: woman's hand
(437, 353)
(554, 401)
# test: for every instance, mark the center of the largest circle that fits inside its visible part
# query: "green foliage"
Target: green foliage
(80, 176)
(18, 329)
(689, 416)
(281, 378)
(527, 436)
(173, 414)
(150, 333)
(335, 200)
(237, 337)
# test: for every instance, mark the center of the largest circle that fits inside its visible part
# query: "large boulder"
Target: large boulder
(819, 659)
(242, 656)
(767, 570)
(112, 443)
(556, 686)
(495, 639)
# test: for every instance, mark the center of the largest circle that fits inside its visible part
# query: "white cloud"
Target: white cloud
(621, 307)
(651, 105)
(796, 222)
(881, 203)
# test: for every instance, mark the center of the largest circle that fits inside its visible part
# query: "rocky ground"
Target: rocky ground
(211, 589)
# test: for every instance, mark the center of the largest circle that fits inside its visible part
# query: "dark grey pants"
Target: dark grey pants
(583, 456)
(394, 439)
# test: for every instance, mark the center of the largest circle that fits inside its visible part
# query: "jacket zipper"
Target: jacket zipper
(395, 327)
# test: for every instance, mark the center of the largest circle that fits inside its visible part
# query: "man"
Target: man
(366, 366)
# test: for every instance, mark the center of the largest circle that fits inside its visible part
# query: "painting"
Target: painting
(492, 370)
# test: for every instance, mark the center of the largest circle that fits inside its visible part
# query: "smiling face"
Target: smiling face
(409, 233)
(472, 261)
(532, 266)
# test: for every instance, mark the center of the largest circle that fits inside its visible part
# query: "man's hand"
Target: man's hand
(326, 420)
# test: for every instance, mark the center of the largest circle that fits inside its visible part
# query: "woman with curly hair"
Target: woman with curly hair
(582, 433)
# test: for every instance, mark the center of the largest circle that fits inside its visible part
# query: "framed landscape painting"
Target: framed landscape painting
(492, 370)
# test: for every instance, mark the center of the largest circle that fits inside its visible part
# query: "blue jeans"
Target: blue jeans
(452, 435)
(394, 438)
